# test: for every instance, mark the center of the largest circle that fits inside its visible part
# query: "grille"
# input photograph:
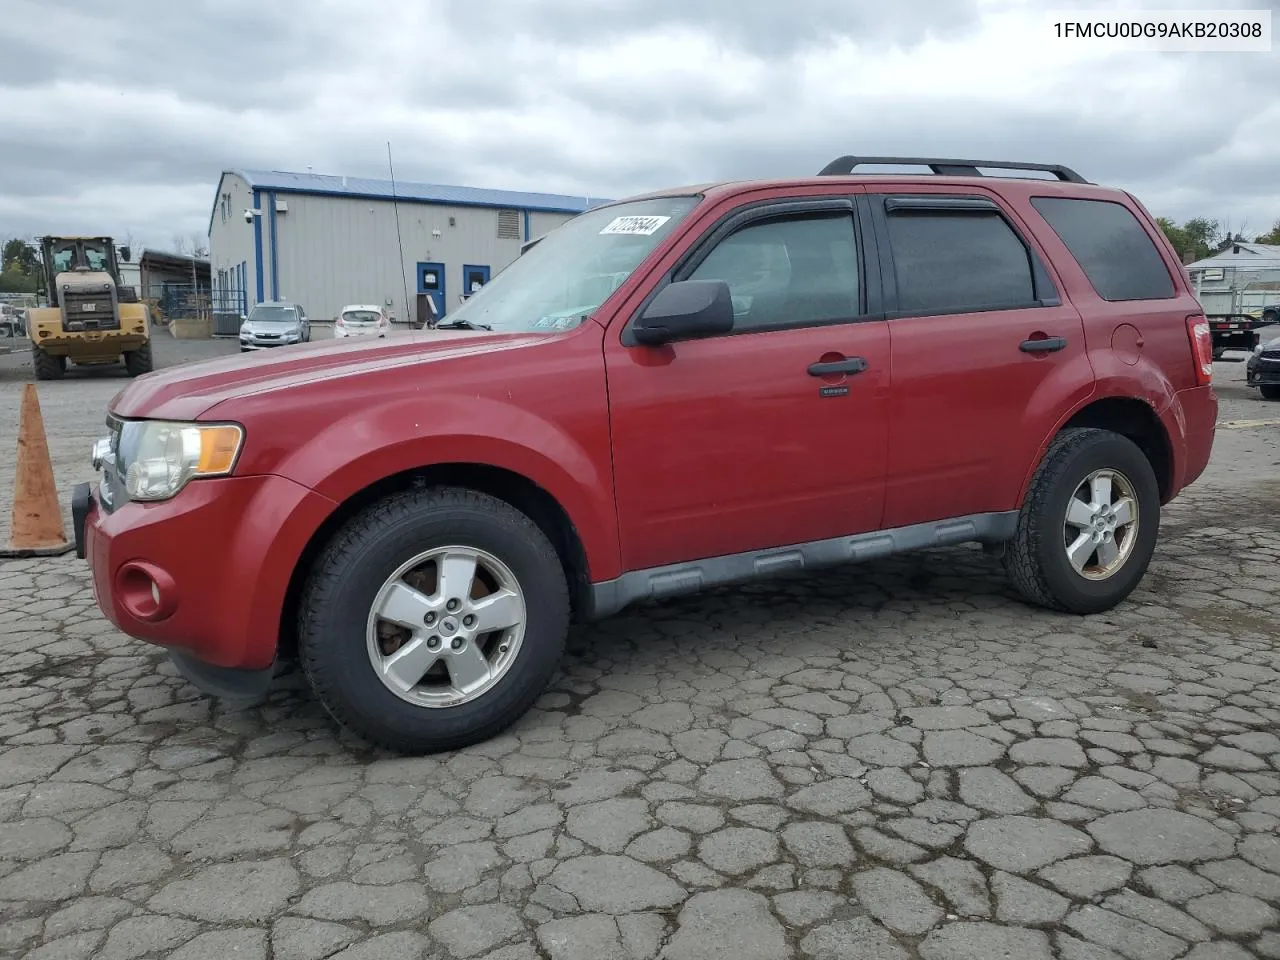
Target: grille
(89, 310)
(1271, 354)
(508, 224)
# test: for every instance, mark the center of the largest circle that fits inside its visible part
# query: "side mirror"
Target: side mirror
(126, 254)
(685, 310)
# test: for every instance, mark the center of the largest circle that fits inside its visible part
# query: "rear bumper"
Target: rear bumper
(204, 574)
(1197, 415)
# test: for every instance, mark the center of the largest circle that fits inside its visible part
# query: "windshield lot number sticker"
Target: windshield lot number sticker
(634, 226)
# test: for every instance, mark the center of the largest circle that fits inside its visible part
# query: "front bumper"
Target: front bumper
(1262, 370)
(256, 344)
(204, 574)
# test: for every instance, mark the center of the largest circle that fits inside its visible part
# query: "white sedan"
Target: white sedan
(359, 320)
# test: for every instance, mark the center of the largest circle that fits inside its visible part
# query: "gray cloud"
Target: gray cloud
(122, 120)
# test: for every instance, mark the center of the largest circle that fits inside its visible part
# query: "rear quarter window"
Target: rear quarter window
(1113, 249)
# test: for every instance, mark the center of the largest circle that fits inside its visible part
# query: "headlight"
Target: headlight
(157, 458)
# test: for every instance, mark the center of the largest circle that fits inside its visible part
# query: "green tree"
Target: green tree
(18, 252)
(1273, 236)
(14, 280)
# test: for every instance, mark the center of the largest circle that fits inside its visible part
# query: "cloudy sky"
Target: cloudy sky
(118, 117)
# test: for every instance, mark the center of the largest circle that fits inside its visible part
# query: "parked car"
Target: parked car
(793, 374)
(358, 320)
(274, 324)
(12, 321)
(1263, 369)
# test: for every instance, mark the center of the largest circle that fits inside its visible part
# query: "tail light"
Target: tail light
(1201, 348)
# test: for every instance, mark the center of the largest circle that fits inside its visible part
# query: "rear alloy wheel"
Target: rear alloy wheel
(434, 620)
(1087, 530)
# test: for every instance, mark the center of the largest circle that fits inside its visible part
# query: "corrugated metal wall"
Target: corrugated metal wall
(332, 251)
(231, 247)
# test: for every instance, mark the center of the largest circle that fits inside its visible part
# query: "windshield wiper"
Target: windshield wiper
(462, 325)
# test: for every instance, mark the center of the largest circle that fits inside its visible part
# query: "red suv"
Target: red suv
(694, 387)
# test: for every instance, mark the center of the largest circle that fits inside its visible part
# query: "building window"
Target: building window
(508, 224)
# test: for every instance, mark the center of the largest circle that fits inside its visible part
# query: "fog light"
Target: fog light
(146, 591)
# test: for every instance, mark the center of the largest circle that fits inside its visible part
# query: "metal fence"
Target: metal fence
(1240, 291)
(222, 307)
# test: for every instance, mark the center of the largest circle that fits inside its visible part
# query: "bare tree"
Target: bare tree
(179, 244)
(199, 245)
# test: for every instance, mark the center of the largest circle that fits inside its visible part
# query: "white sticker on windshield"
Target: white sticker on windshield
(634, 226)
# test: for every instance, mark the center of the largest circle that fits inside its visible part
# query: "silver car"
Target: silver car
(274, 324)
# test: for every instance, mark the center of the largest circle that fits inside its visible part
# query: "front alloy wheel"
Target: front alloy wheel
(446, 626)
(433, 619)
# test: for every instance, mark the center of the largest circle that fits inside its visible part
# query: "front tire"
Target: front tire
(47, 367)
(433, 620)
(1088, 527)
(1270, 391)
(138, 362)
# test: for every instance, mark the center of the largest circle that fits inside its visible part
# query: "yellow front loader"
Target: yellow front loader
(91, 319)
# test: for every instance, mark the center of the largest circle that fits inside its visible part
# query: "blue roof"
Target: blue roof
(329, 185)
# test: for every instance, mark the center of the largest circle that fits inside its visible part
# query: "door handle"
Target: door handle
(847, 365)
(1043, 345)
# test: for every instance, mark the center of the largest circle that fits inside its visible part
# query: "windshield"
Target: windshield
(557, 283)
(62, 255)
(360, 316)
(95, 255)
(273, 315)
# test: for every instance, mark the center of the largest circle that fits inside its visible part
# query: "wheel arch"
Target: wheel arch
(507, 485)
(1130, 417)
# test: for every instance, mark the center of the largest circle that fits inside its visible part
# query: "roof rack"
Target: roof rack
(843, 166)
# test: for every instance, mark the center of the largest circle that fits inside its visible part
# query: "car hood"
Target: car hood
(187, 391)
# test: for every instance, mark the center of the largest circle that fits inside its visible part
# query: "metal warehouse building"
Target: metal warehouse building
(329, 241)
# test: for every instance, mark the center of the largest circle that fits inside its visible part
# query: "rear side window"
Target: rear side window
(958, 262)
(1114, 251)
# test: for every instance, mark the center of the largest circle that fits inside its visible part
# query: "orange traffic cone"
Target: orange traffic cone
(36, 528)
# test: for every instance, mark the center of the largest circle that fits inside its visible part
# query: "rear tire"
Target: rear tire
(1039, 558)
(47, 367)
(1270, 391)
(138, 362)
(348, 651)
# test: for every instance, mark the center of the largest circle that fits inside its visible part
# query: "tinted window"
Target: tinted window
(1112, 248)
(788, 272)
(953, 262)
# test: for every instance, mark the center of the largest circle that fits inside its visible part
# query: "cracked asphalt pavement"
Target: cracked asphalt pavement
(890, 761)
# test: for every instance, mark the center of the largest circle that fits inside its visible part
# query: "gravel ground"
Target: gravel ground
(890, 761)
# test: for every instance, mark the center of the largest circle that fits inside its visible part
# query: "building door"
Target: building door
(473, 278)
(431, 284)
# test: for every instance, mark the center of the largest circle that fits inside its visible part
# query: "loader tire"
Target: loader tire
(138, 362)
(47, 367)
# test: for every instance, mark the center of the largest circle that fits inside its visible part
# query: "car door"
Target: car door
(986, 353)
(741, 442)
